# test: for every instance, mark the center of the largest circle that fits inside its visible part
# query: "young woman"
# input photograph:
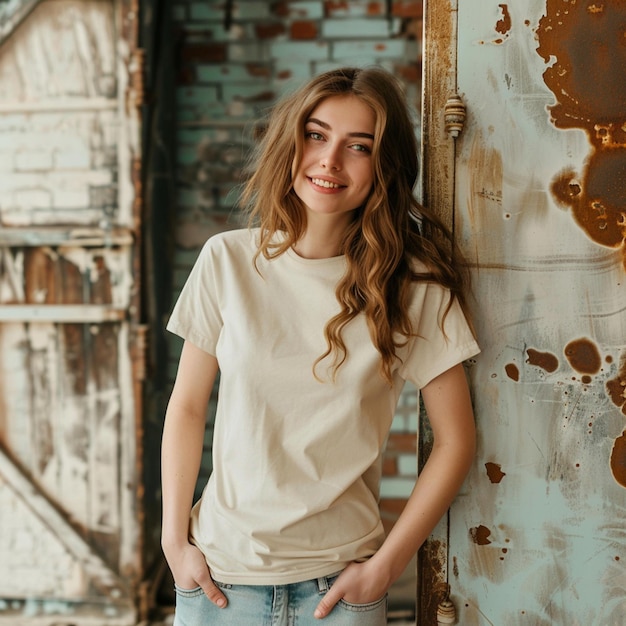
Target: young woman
(315, 317)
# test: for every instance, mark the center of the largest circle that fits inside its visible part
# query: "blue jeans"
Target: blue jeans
(267, 605)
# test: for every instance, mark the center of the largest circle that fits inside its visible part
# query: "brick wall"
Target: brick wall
(233, 59)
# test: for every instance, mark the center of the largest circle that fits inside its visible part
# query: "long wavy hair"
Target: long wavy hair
(392, 241)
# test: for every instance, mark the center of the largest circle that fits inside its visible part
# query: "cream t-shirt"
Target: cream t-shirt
(296, 462)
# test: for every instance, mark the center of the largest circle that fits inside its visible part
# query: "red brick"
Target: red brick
(409, 73)
(280, 9)
(258, 71)
(204, 53)
(269, 31)
(390, 510)
(303, 30)
(402, 442)
(334, 7)
(392, 506)
(185, 76)
(375, 8)
(390, 466)
(408, 9)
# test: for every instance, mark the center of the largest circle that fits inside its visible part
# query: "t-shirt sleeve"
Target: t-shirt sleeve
(438, 343)
(196, 315)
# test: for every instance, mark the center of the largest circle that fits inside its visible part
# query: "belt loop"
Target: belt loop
(322, 584)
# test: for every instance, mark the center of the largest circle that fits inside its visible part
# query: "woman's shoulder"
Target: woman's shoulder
(228, 241)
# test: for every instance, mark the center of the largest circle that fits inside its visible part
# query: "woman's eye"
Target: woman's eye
(314, 135)
(359, 147)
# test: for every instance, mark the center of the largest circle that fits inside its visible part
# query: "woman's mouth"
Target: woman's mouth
(325, 183)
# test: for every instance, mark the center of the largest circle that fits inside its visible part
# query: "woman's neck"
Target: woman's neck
(322, 239)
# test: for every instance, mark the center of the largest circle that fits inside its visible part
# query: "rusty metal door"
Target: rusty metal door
(71, 348)
(537, 179)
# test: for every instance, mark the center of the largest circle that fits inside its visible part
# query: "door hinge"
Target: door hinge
(454, 115)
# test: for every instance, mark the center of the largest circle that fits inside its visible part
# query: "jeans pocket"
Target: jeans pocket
(188, 593)
(362, 608)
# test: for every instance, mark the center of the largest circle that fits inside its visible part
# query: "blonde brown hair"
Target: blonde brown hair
(388, 234)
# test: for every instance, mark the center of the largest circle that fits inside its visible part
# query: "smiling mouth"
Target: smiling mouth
(325, 183)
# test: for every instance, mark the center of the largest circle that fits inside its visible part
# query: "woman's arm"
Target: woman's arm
(181, 455)
(448, 405)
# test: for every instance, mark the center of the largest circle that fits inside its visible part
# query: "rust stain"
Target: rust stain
(618, 460)
(616, 388)
(583, 355)
(503, 26)
(480, 535)
(565, 188)
(588, 79)
(512, 371)
(544, 360)
(494, 472)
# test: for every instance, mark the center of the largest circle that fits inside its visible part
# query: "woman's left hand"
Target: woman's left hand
(359, 583)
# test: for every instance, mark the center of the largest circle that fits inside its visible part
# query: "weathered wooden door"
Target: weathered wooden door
(537, 179)
(70, 343)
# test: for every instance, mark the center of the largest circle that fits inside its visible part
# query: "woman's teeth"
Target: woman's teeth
(325, 183)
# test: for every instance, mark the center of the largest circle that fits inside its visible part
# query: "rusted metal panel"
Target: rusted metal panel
(537, 535)
(71, 347)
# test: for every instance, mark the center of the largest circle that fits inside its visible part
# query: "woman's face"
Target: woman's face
(336, 173)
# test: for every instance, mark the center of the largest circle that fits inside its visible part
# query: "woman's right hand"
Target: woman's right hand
(190, 570)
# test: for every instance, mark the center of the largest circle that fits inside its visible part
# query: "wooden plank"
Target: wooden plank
(59, 235)
(62, 313)
(62, 105)
(13, 14)
(98, 571)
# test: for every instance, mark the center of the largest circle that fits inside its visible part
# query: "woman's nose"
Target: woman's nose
(331, 158)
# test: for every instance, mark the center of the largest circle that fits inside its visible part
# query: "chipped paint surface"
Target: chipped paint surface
(537, 535)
